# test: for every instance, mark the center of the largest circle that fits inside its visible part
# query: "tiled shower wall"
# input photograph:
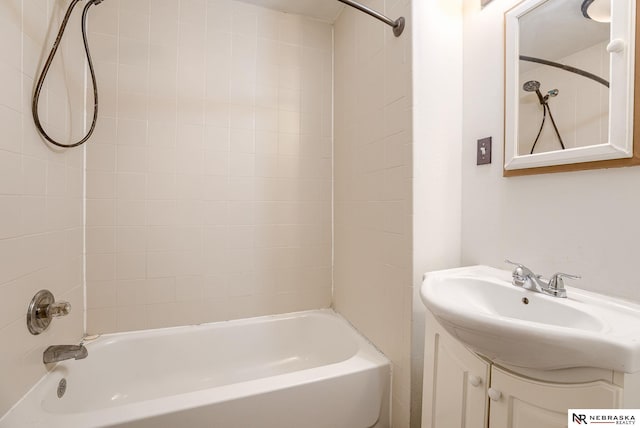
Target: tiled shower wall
(373, 186)
(41, 240)
(209, 178)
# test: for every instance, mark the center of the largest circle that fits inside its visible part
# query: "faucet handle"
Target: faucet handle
(520, 268)
(520, 265)
(566, 275)
(58, 309)
(519, 274)
(556, 284)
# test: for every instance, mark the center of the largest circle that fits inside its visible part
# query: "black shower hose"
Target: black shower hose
(546, 108)
(544, 117)
(47, 65)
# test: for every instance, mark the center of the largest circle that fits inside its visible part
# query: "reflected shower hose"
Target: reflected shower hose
(534, 86)
(546, 108)
(47, 65)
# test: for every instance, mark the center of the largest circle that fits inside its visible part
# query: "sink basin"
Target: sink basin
(481, 308)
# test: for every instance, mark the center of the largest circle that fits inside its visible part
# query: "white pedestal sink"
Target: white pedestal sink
(480, 307)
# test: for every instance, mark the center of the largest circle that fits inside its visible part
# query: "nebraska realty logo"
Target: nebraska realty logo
(581, 417)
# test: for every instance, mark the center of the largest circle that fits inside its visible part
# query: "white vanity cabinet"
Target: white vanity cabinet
(463, 389)
(455, 382)
(525, 403)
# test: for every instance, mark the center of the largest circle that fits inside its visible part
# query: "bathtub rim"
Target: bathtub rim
(324, 312)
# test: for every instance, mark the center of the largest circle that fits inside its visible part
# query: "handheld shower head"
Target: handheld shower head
(531, 86)
(534, 86)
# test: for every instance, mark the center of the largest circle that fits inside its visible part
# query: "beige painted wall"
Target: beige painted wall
(209, 180)
(373, 176)
(41, 240)
(578, 222)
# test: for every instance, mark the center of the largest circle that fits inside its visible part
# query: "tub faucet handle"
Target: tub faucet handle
(42, 309)
(58, 309)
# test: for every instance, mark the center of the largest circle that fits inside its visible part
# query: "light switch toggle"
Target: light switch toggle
(484, 151)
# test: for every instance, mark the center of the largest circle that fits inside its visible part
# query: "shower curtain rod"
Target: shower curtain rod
(564, 67)
(398, 24)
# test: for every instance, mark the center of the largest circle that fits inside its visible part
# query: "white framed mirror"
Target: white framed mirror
(569, 82)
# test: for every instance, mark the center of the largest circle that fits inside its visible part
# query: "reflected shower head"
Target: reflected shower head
(531, 86)
(534, 86)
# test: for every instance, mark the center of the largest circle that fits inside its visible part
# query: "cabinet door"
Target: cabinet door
(525, 403)
(455, 382)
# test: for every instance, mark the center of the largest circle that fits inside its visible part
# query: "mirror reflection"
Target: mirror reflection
(563, 81)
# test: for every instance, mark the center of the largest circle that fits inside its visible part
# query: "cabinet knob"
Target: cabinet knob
(475, 380)
(494, 394)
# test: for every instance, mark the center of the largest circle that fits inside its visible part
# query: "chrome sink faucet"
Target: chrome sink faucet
(56, 353)
(525, 278)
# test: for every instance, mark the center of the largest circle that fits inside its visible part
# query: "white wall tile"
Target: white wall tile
(161, 264)
(244, 19)
(189, 288)
(163, 31)
(161, 186)
(131, 318)
(100, 185)
(101, 240)
(133, 25)
(130, 186)
(130, 292)
(165, 8)
(126, 213)
(102, 295)
(133, 52)
(219, 14)
(372, 182)
(131, 265)
(12, 140)
(101, 319)
(101, 212)
(130, 239)
(186, 159)
(40, 193)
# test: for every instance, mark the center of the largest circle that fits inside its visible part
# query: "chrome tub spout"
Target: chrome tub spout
(56, 353)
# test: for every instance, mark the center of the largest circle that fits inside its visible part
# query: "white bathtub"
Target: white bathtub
(303, 370)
